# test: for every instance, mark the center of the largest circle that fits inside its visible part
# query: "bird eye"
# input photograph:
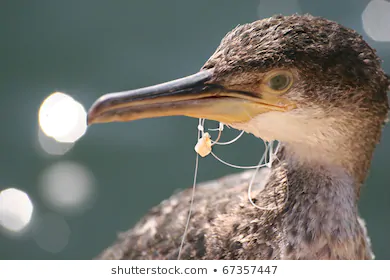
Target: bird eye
(279, 82)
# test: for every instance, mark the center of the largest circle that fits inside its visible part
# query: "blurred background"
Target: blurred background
(66, 192)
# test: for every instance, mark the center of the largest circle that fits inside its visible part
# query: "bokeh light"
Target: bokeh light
(51, 233)
(376, 20)
(62, 118)
(16, 209)
(68, 187)
(51, 146)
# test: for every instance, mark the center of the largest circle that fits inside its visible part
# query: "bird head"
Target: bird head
(302, 80)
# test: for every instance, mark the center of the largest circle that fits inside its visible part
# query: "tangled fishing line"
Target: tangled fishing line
(204, 148)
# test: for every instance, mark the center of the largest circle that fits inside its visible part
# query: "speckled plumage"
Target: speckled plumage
(315, 182)
(224, 225)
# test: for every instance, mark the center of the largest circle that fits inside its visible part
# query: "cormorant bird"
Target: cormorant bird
(308, 82)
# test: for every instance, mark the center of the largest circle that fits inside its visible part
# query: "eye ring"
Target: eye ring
(279, 82)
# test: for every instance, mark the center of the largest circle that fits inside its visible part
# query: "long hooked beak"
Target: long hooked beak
(192, 96)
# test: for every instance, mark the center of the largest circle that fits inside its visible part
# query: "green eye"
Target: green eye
(279, 82)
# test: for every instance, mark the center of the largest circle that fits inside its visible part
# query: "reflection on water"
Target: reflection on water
(62, 118)
(16, 209)
(376, 20)
(67, 187)
(51, 233)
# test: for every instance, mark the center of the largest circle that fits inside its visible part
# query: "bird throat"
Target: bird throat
(330, 141)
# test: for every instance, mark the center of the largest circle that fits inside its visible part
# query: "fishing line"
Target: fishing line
(272, 155)
(229, 142)
(192, 199)
(238, 166)
(266, 161)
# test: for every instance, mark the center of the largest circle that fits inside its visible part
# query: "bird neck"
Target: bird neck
(315, 177)
(320, 209)
(351, 163)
